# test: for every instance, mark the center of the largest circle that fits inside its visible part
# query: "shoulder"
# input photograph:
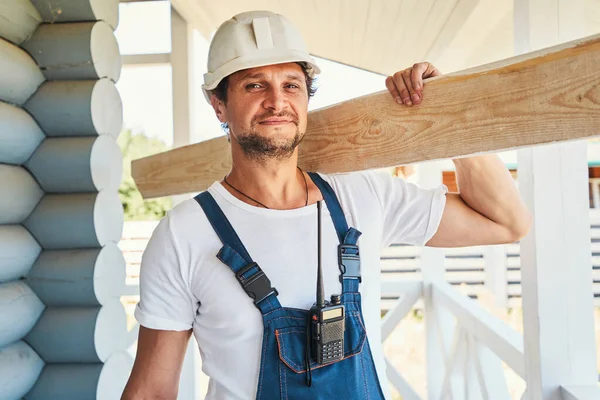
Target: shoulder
(361, 183)
(184, 221)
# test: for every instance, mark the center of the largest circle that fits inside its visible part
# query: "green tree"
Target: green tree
(134, 146)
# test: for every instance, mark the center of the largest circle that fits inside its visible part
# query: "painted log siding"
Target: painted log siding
(79, 10)
(20, 367)
(77, 164)
(19, 74)
(87, 277)
(18, 251)
(77, 108)
(20, 309)
(79, 334)
(61, 273)
(83, 381)
(20, 135)
(18, 20)
(76, 51)
(19, 194)
(76, 221)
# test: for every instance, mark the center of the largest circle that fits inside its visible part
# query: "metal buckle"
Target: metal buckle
(257, 285)
(349, 262)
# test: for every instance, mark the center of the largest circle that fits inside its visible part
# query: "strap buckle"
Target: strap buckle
(257, 285)
(349, 262)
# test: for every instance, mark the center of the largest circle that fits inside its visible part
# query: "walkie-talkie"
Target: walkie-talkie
(326, 318)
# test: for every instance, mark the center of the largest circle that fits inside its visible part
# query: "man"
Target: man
(237, 265)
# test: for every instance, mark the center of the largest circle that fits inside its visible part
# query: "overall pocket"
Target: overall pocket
(291, 343)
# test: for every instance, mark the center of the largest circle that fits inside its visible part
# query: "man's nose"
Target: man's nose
(275, 100)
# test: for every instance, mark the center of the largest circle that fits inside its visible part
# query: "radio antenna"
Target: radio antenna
(320, 290)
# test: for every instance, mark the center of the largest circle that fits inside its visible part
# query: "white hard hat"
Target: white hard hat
(253, 39)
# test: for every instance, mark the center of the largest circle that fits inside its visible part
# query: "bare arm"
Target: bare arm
(157, 366)
(488, 209)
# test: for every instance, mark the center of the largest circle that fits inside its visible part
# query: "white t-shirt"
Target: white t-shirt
(183, 285)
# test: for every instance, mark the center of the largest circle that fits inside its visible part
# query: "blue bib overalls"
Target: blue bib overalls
(283, 366)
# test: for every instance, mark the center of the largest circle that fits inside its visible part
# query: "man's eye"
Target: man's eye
(253, 86)
(292, 86)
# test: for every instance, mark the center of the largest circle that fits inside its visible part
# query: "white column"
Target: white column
(496, 276)
(555, 256)
(182, 70)
(182, 73)
(192, 384)
(438, 322)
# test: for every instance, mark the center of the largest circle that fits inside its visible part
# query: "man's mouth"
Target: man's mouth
(275, 121)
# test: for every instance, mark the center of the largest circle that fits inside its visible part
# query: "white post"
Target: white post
(496, 277)
(438, 321)
(193, 383)
(556, 264)
(182, 72)
(182, 78)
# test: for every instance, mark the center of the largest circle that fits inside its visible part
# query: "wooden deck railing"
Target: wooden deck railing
(478, 342)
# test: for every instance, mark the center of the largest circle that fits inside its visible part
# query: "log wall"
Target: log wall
(62, 326)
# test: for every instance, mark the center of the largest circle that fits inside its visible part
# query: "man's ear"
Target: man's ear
(219, 107)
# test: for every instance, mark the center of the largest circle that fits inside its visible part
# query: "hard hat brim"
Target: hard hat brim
(212, 80)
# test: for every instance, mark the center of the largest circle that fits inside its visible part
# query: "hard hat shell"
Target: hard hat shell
(254, 39)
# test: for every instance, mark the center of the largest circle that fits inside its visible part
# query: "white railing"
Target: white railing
(478, 343)
(472, 343)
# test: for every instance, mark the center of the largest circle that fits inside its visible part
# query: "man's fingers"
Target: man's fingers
(402, 89)
(417, 73)
(414, 96)
(389, 83)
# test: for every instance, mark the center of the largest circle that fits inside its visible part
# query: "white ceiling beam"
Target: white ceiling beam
(146, 59)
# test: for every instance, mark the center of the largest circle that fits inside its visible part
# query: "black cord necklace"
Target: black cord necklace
(258, 202)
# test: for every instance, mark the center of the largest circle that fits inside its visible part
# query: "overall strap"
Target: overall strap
(348, 253)
(234, 254)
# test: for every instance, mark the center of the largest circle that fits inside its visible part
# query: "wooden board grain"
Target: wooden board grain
(542, 97)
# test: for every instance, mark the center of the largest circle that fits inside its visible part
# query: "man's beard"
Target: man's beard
(264, 149)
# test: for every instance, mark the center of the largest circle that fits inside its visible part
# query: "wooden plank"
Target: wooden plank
(484, 109)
